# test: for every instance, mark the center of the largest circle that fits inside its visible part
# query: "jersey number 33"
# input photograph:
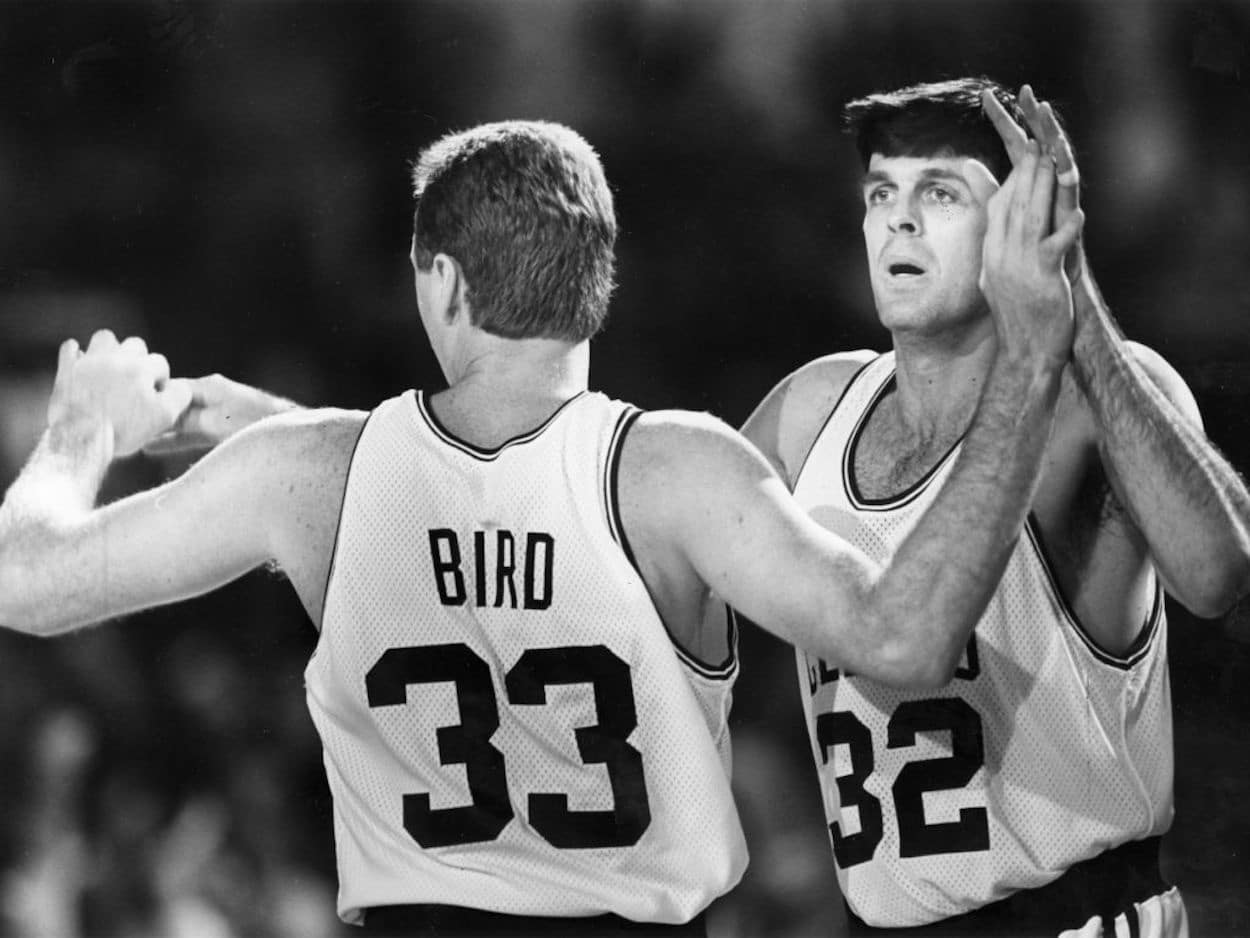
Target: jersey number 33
(468, 743)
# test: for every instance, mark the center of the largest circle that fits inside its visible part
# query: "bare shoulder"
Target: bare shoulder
(305, 441)
(302, 459)
(294, 463)
(1075, 420)
(1167, 379)
(788, 420)
(664, 442)
(672, 460)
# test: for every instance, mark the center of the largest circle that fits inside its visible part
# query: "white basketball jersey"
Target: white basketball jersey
(1043, 751)
(506, 723)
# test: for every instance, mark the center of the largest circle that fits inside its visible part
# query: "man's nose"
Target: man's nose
(904, 217)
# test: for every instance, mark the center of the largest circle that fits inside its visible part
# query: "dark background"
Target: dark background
(229, 180)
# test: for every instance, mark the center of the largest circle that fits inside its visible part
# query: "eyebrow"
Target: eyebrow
(874, 176)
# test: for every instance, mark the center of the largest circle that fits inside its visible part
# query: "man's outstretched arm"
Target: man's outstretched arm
(1189, 503)
(65, 562)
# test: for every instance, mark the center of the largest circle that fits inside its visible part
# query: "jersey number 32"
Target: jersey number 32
(917, 837)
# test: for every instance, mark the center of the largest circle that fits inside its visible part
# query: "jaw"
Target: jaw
(923, 314)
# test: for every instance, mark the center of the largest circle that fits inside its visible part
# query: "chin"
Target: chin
(905, 317)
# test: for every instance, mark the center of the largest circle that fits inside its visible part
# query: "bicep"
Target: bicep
(748, 539)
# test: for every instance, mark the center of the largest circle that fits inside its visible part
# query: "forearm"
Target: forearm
(1185, 498)
(57, 487)
(939, 581)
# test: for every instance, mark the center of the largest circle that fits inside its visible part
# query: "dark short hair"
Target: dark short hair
(525, 209)
(933, 119)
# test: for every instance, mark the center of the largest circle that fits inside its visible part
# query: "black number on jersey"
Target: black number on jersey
(843, 728)
(468, 743)
(916, 836)
(606, 742)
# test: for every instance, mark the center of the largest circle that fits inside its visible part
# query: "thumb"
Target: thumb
(67, 355)
(175, 397)
(982, 181)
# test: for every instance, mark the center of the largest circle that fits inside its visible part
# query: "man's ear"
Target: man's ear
(449, 286)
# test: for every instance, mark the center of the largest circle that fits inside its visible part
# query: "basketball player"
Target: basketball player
(523, 716)
(1028, 793)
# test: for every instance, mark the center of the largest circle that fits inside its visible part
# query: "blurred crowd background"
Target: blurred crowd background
(229, 180)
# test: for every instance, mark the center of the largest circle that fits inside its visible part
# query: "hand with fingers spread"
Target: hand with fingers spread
(1022, 274)
(118, 385)
(1044, 125)
(218, 409)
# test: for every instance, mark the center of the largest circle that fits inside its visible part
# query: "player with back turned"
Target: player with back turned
(1026, 793)
(522, 713)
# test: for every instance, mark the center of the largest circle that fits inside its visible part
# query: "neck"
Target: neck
(516, 376)
(939, 383)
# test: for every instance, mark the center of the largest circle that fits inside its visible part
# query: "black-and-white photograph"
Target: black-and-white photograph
(719, 468)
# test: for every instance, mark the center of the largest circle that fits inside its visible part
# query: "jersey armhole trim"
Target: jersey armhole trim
(611, 499)
(793, 483)
(725, 671)
(1141, 645)
(338, 528)
(728, 668)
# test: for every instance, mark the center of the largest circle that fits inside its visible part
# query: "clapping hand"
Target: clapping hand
(119, 386)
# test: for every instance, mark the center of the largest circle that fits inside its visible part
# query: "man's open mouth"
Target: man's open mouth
(904, 269)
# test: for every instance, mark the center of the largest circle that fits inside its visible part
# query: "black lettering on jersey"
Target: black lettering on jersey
(479, 567)
(499, 565)
(970, 663)
(536, 542)
(505, 566)
(445, 552)
(820, 674)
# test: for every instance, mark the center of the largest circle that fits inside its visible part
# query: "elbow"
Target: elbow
(19, 610)
(933, 674)
(21, 618)
(1215, 589)
(909, 665)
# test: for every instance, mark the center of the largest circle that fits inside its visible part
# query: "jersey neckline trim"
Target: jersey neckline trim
(611, 500)
(1141, 644)
(909, 494)
(485, 454)
(829, 416)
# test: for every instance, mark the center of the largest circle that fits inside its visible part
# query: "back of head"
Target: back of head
(525, 209)
(942, 118)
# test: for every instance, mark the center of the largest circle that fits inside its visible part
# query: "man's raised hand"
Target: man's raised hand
(118, 386)
(1054, 143)
(1022, 259)
(218, 408)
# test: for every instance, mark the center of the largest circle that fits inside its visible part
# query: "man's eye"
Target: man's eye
(942, 196)
(879, 196)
